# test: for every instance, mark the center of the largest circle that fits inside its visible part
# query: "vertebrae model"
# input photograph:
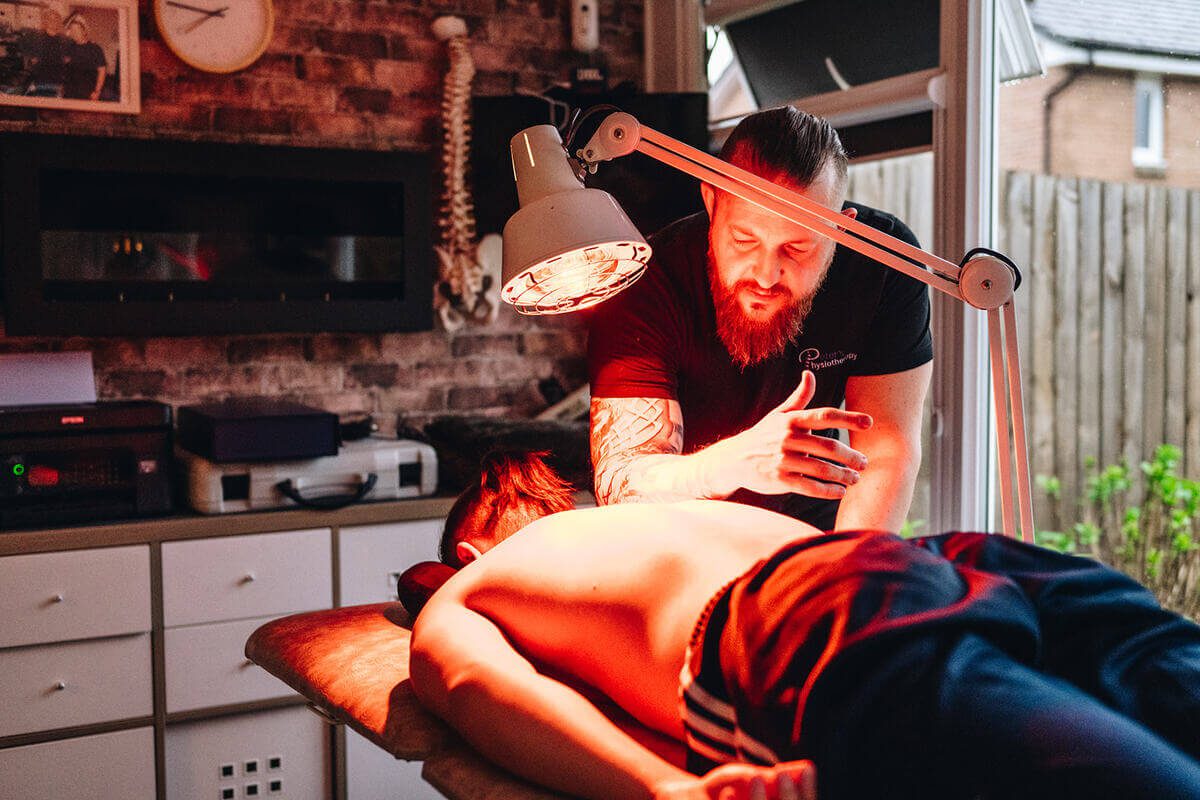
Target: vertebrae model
(462, 282)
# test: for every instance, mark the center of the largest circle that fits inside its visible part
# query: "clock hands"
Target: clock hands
(206, 13)
(219, 12)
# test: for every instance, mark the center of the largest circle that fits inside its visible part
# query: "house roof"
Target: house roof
(1164, 27)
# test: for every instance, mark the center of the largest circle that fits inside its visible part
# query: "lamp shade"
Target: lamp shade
(568, 247)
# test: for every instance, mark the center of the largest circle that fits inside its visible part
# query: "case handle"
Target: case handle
(328, 502)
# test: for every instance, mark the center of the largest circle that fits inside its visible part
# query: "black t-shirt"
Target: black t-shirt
(84, 62)
(658, 338)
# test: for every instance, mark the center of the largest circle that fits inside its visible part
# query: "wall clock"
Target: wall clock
(215, 35)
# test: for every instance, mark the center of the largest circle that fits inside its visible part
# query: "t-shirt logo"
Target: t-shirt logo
(811, 358)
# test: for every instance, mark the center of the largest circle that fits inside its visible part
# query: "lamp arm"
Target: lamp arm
(985, 279)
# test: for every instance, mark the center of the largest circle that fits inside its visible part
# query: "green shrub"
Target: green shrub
(1151, 536)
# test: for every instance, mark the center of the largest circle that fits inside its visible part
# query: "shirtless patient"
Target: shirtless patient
(964, 666)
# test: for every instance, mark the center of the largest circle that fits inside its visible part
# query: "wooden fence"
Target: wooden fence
(1109, 314)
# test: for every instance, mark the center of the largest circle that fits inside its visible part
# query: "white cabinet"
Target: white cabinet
(269, 754)
(78, 666)
(74, 639)
(102, 767)
(206, 666)
(216, 592)
(372, 773)
(371, 557)
(75, 683)
(83, 594)
(239, 577)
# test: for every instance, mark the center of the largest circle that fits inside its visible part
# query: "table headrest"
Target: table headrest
(418, 583)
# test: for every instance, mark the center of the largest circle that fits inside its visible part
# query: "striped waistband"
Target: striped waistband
(709, 718)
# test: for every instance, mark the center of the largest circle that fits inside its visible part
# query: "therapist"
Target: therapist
(720, 372)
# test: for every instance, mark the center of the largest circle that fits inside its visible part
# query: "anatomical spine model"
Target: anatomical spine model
(469, 270)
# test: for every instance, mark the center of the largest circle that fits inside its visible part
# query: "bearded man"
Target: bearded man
(720, 373)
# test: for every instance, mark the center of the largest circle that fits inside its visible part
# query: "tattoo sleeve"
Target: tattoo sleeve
(629, 437)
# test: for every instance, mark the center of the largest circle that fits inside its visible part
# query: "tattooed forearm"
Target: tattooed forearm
(624, 433)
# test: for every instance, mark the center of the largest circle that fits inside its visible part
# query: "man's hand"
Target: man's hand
(780, 454)
(790, 780)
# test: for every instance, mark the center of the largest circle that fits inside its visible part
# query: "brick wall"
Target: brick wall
(1092, 127)
(363, 74)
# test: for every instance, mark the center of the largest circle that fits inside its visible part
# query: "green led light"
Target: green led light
(18, 470)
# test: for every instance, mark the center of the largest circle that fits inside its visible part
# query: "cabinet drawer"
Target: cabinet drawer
(59, 685)
(371, 557)
(207, 666)
(99, 767)
(82, 594)
(239, 577)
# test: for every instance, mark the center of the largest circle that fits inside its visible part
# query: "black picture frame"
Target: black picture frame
(109, 309)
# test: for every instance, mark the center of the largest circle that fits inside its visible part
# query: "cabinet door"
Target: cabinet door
(82, 594)
(240, 577)
(372, 773)
(371, 557)
(269, 754)
(74, 683)
(103, 767)
(206, 666)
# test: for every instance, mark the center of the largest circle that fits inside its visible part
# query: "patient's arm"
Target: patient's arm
(465, 671)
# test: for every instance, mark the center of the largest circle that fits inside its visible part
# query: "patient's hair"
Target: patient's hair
(514, 489)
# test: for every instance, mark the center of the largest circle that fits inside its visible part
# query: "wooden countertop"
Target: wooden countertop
(189, 525)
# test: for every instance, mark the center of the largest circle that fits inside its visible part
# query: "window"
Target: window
(1108, 335)
(1148, 123)
(729, 94)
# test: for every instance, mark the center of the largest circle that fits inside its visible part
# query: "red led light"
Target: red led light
(70, 420)
(39, 475)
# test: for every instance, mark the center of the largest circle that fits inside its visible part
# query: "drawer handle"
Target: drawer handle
(61, 686)
(249, 577)
(58, 598)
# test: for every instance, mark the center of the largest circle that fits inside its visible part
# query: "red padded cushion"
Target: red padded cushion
(418, 583)
(352, 663)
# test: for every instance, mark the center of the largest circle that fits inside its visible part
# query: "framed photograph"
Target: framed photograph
(80, 55)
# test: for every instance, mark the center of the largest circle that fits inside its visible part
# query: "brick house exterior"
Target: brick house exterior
(1079, 118)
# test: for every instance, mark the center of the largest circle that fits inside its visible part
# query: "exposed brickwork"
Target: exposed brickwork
(363, 74)
(1091, 127)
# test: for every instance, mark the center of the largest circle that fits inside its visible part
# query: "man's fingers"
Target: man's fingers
(822, 447)
(817, 469)
(802, 394)
(787, 788)
(816, 419)
(810, 487)
(797, 780)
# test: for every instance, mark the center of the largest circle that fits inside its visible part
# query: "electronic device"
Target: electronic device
(364, 470)
(84, 462)
(257, 429)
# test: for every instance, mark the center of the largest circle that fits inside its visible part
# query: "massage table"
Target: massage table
(351, 664)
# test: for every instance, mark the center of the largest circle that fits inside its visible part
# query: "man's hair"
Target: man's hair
(788, 143)
(514, 489)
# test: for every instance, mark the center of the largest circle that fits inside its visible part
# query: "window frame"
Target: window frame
(1148, 158)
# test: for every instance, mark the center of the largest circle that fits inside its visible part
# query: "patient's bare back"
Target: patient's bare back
(610, 595)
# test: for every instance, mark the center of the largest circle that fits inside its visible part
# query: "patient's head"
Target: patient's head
(514, 489)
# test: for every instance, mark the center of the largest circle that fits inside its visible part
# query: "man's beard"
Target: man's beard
(750, 341)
